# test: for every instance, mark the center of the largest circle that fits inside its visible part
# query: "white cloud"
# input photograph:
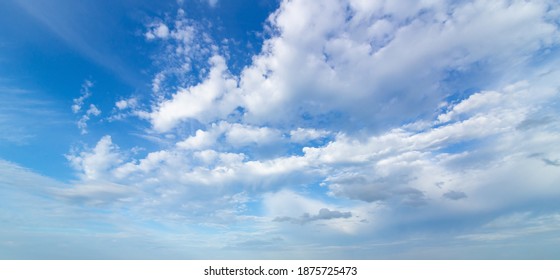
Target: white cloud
(78, 103)
(474, 102)
(353, 61)
(160, 31)
(198, 102)
(95, 164)
(235, 135)
(433, 167)
(185, 52)
(94, 192)
(202, 139)
(299, 210)
(93, 111)
(125, 108)
(129, 103)
(303, 135)
(419, 160)
(82, 122)
(324, 63)
(287, 203)
(85, 93)
(240, 135)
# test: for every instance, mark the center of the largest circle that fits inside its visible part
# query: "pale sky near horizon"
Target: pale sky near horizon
(267, 129)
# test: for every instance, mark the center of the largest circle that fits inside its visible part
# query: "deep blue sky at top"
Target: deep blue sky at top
(49, 48)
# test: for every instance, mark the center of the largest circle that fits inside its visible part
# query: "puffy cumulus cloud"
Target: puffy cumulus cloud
(303, 135)
(466, 159)
(476, 156)
(199, 102)
(338, 65)
(95, 164)
(209, 170)
(474, 102)
(202, 139)
(190, 178)
(234, 135)
(353, 61)
(241, 135)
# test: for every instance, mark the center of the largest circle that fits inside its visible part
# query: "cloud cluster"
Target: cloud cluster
(390, 112)
(470, 154)
(353, 65)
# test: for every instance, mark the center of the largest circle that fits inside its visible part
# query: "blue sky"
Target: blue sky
(279, 129)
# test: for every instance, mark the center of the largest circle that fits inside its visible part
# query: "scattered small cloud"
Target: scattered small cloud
(82, 122)
(130, 103)
(77, 107)
(85, 92)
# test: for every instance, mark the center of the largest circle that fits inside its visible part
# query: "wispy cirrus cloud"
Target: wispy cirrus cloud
(71, 23)
(19, 112)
